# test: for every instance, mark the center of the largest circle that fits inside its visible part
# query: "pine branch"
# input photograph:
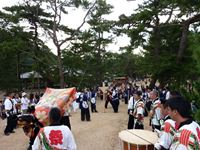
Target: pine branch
(78, 29)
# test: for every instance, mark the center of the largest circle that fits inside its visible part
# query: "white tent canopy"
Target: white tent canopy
(27, 75)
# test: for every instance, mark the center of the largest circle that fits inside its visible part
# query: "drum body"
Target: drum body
(137, 139)
(129, 146)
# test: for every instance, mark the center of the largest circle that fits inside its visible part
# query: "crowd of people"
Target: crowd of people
(14, 104)
(170, 117)
(19, 110)
(168, 111)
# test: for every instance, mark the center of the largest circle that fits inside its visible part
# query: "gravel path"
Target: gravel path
(101, 133)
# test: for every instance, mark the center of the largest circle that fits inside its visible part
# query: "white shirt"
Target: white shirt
(157, 112)
(93, 100)
(8, 104)
(18, 100)
(25, 102)
(77, 94)
(114, 93)
(167, 95)
(166, 135)
(14, 105)
(139, 108)
(131, 103)
(57, 136)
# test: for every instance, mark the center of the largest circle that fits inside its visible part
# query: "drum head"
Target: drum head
(138, 137)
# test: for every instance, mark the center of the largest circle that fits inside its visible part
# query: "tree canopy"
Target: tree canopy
(167, 31)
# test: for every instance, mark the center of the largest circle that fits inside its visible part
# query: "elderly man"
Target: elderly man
(138, 112)
(155, 112)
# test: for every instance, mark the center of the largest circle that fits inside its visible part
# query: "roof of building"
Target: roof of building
(27, 75)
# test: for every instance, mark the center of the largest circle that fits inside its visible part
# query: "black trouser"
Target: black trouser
(14, 118)
(126, 100)
(36, 129)
(155, 127)
(65, 121)
(139, 126)
(131, 122)
(85, 114)
(148, 105)
(93, 107)
(115, 105)
(9, 126)
(106, 103)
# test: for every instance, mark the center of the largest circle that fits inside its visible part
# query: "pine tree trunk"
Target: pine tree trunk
(60, 66)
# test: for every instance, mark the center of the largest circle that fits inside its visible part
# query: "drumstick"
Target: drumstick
(140, 137)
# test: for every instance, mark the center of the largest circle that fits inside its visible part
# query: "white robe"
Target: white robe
(157, 113)
(166, 135)
(189, 133)
(59, 137)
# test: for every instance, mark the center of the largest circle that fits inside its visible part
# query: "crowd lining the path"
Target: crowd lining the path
(169, 113)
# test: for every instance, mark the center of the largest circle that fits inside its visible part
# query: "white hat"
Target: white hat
(24, 93)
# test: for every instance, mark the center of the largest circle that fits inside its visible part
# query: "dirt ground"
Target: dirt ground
(101, 133)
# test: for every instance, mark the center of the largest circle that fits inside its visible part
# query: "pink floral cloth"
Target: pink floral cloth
(61, 98)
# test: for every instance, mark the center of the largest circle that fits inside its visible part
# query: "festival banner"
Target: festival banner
(61, 98)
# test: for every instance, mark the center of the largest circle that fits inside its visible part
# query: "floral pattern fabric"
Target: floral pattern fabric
(61, 98)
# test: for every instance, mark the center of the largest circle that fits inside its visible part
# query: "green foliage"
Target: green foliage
(86, 61)
(20, 51)
(161, 40)
(197, 116)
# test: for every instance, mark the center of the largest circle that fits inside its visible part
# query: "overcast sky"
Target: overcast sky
(75, 17)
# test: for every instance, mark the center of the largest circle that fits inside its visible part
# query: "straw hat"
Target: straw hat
(24, 93)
